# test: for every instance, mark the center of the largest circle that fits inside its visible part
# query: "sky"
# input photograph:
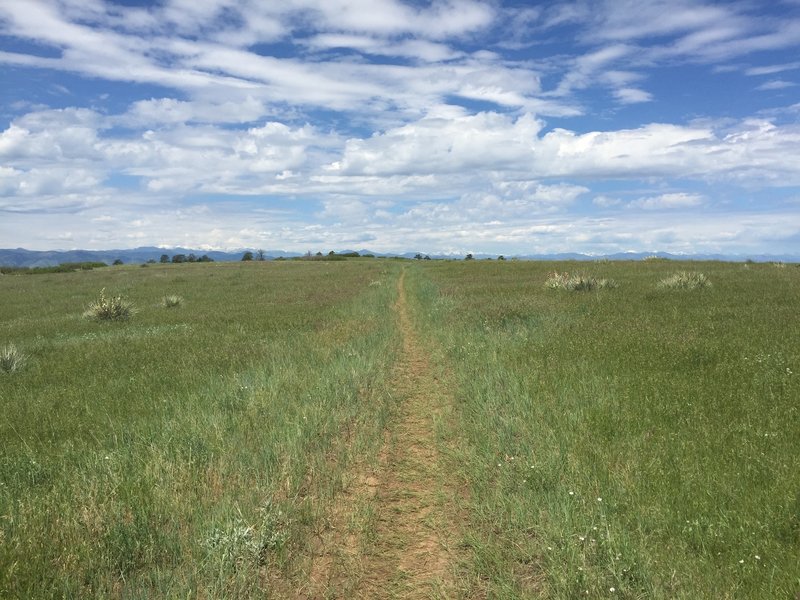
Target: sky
(447, 126)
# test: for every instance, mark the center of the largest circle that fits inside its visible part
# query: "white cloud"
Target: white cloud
(606, 201)
(772, 69)
(776, 84)
(485, 142)
(632, 95)
(675, 200)
(635, 19)
(373, 113)
(754, 150)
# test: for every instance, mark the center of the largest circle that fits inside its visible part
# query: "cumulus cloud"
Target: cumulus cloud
(489, 141)
(486, 141)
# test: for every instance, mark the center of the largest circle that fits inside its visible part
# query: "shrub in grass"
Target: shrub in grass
(11, 359)
(114, 308)
(171, 301)
(577, 282)
(685, 280)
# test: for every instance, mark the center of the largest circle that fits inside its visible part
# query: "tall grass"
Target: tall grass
(11, 359)
(634, 445)
(113, 308)
(577, 282)
(685, 280)
(192, 452)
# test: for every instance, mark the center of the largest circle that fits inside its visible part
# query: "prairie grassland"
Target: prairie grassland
(189, 451)
(636, 442)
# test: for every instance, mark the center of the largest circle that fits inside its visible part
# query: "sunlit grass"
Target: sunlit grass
(637, 441)
(185, 452)
(636, 444)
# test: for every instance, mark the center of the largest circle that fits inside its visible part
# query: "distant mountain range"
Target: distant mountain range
(20, 257)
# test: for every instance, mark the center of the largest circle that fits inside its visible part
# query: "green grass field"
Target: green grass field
(634, 441)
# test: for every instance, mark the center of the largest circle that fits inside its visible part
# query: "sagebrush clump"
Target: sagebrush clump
(114, 308)
(171, 301)
(11, 359)
(685, 280)
(577, 282)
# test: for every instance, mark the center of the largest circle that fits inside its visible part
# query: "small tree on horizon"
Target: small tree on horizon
(260, 255)
(247, 255)
(469, 256)
(164, 258)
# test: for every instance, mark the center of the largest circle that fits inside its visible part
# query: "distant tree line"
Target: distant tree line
(184, 258)
(67, 267)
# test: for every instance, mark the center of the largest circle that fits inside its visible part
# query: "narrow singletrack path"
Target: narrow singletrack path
(394, 532)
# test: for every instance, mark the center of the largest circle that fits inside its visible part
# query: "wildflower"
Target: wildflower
(612, 590)
(572, 493)
(599, 499)
(758, 557)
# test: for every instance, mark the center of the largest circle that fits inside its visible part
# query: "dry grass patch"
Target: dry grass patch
(685, 280)
(577, 282)
(11, 359)
(114, 308)
(171, 301)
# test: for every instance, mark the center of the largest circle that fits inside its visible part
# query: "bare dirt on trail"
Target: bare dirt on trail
(394, 530)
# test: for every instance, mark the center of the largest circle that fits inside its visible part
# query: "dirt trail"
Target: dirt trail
(393, 533)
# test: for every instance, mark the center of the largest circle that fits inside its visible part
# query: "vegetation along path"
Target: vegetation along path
(392, 534)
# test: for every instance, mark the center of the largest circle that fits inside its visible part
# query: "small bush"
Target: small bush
(577, 282)
(171, 301)
(11, 359)
(115, 308)
(685, 280)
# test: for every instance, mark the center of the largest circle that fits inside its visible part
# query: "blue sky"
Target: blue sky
(444, 126)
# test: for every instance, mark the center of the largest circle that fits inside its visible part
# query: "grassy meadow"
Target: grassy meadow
(189, 449)
(635, 441)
